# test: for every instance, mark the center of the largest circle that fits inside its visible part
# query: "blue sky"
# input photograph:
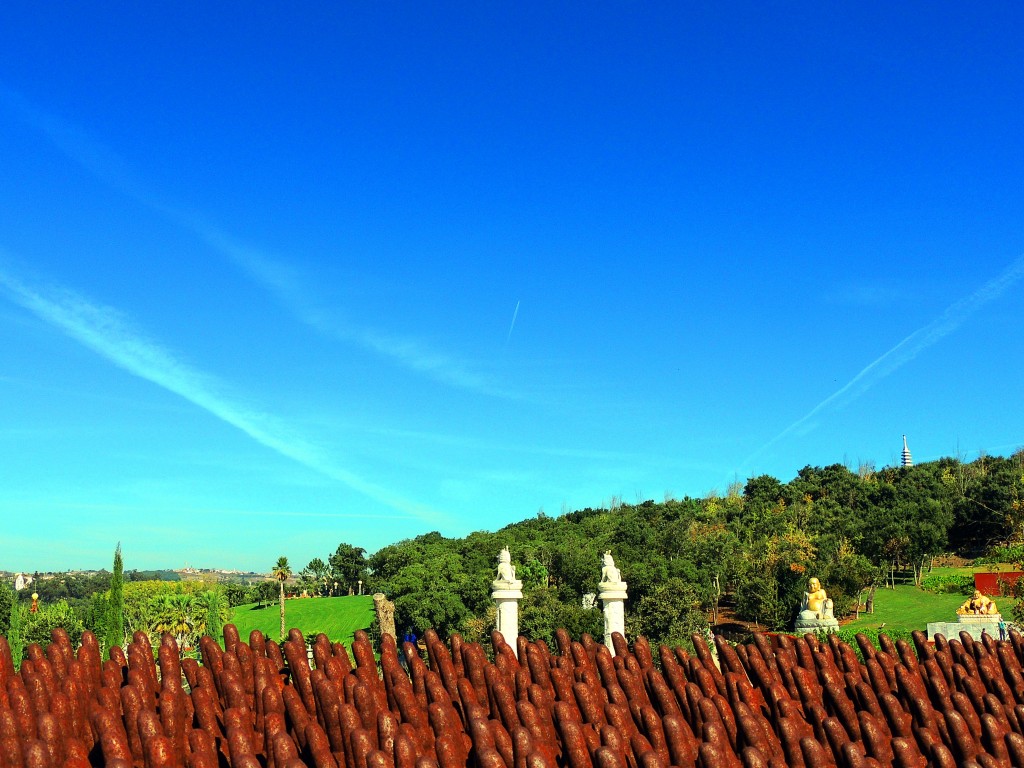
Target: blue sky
(276, 278)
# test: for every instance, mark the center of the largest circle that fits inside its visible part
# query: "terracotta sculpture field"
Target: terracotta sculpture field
(774, 702)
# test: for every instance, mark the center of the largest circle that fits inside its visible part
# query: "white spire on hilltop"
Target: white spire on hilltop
(907, 460)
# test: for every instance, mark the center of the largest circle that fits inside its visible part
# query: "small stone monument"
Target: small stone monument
(507, 591)
(978, 614)
(816, 612)
(612, 591)
(385, 614)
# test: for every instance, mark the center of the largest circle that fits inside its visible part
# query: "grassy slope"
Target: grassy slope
(908, 607)
(905, 607)
(337, 617)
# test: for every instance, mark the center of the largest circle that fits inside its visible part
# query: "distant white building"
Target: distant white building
(21, 581)
(906, 460)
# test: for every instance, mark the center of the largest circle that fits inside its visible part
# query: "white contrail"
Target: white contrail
(285, 285)
(273, 276)
(909, 348)
(105, 331)
(515, 314)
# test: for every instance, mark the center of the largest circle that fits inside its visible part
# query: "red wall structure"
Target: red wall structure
(988, 583)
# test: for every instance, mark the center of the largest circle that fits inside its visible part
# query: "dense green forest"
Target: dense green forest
(749, 551)
(752, 549)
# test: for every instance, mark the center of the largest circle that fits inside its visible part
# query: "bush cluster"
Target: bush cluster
(949, 583)
(849, 636)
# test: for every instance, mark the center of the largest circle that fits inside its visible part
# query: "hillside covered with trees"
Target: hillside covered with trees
(752, 548)
(749, 551)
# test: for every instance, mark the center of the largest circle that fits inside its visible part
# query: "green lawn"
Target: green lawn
(337, 617)
(908, 607)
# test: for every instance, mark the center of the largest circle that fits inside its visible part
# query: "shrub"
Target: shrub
(541, 613)
(38, 626)
(668, 615)
(7, 599)
(949, 583)
(849, 636)
(15, 638)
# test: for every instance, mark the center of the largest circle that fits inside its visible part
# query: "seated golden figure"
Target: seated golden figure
(814, 598)
(816, 604)
(977, 605)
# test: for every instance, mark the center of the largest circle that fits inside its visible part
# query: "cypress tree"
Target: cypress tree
(7, 598)
(214, 626)
(14, 635)
(114, 623)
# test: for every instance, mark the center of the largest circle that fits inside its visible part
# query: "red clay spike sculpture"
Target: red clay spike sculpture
(772, 703)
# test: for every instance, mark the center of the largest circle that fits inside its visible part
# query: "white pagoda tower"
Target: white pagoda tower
(906, 460)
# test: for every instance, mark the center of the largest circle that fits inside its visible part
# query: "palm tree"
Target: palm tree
(281, 572)
(175, 615)
(211, 613)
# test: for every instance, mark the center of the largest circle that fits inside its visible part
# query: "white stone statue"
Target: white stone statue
(826, 611)
(612, 591)
(507, 591)
(609, 573)
(506, 571)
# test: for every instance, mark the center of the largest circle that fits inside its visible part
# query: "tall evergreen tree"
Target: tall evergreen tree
(114, 622)
(15, 638)
(7, 599)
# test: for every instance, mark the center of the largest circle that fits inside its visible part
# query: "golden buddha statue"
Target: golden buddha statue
(978, 605)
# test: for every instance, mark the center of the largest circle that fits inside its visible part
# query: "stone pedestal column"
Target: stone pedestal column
(613, 595)
(507, 595)
(385, 614)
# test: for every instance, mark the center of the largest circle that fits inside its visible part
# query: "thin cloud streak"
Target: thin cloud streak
(515, 314)
(105, 331)
(909, 348)
(286, 286)
(277, 278)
